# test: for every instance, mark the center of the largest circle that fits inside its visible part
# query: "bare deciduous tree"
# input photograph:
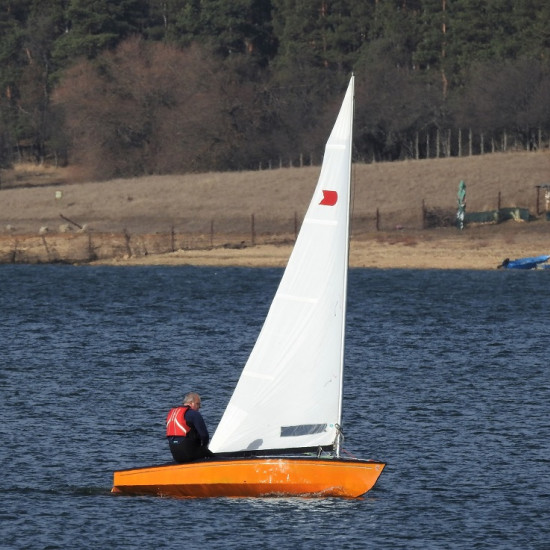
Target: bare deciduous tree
(146, 108)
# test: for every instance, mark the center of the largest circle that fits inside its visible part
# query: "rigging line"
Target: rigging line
(345, 451)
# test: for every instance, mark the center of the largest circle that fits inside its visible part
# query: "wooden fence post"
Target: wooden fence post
(47, 248)
(13, 255)
(423, 214)
(427, 144)
(91, 252)
(127, 242)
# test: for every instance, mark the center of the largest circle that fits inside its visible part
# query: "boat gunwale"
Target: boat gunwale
(214, 460)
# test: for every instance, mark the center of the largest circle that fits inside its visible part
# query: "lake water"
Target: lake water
(447, 380)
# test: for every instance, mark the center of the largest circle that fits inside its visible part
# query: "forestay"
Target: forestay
(289, 393)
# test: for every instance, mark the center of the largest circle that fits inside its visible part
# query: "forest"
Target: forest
(117, 88)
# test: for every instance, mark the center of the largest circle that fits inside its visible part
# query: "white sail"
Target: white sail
(290, 391)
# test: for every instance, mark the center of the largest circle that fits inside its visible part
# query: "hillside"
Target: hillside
(190, 202)
(217, 208)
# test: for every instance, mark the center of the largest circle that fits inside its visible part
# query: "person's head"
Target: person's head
(192, 400)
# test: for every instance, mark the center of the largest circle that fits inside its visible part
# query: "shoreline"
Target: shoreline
(474, 251)
(474, 248)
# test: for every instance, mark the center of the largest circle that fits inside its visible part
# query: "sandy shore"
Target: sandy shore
(483, 247)
(479, 248)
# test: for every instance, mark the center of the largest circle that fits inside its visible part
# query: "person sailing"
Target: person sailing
(186, 431)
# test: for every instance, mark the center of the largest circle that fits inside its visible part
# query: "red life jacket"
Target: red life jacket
(175, 422)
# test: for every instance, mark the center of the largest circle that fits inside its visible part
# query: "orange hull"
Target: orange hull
(252, 477)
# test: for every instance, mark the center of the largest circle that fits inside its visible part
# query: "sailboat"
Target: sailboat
(280, 434)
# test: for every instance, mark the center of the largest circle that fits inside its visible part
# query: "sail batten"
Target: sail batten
(336, 146)
(321, 222)
(293, 377)
(258, 375)
(294, 298)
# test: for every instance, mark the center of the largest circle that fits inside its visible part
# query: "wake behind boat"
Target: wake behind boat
(263, 446)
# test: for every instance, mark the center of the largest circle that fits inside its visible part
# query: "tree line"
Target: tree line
(131, 87)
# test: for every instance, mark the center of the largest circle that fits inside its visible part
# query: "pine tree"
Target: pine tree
(93, 26)
(12, 21)
(227, 27)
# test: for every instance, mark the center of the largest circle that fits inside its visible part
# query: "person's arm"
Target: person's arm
(195, 418)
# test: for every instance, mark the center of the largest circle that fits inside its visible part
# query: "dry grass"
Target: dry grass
(192, 202)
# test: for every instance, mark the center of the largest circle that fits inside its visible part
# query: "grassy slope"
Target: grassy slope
(192, 202)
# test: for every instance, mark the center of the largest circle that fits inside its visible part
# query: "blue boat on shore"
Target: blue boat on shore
(526, 263)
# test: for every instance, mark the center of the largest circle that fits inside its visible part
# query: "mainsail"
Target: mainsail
(289, 394)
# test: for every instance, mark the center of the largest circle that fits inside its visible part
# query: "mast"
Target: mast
(339, 434)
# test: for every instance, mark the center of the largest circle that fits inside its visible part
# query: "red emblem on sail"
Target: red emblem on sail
(329, 198)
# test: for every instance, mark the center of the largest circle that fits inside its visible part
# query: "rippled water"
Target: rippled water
(447, 380)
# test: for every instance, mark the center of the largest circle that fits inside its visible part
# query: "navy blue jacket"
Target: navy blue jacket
(195, 420)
